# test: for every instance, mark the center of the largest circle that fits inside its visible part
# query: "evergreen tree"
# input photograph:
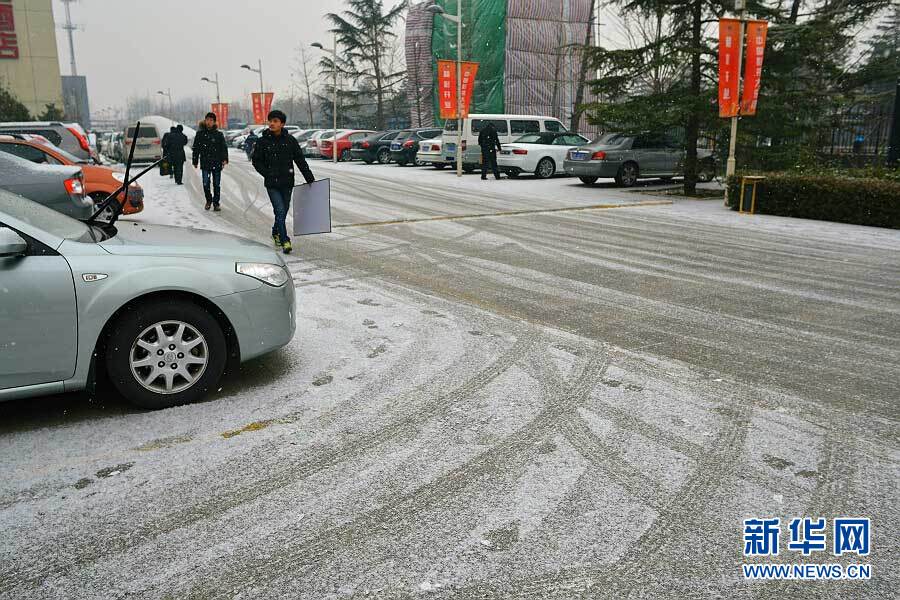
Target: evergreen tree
(365, 35)
(10, 107)
(51, 113)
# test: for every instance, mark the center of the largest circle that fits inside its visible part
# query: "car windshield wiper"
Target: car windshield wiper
(112, 201)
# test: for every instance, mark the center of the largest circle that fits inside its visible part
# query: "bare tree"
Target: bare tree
(303, 71)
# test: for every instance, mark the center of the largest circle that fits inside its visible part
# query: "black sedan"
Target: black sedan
(405, 146)
(375, 147)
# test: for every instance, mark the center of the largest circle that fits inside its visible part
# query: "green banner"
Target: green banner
(483, 41)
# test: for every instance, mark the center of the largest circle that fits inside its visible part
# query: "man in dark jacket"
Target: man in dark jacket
(490, 145)
(250, 143)
(175, 152)
(274, 158)
(211, 153)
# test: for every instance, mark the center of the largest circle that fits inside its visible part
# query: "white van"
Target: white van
(149, 143)
(509, 129)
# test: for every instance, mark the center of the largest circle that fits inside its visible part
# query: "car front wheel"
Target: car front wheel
(165, 354)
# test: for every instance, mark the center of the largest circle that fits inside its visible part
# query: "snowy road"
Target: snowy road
(559, 400)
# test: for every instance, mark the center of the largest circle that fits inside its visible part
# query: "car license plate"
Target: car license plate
(395, 146)
(143, 146)
(580, 155)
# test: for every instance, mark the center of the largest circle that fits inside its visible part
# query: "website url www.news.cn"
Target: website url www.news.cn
(807, 572)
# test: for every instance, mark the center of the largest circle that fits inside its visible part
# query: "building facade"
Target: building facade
(29, 60)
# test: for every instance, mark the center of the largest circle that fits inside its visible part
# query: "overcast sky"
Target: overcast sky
(128, 47)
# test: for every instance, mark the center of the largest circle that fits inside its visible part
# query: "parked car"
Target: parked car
(161, 312)
(341, 144)
(374, 147)
(313, 149)
(405, 146)
(99, 181)
(431, 152)
(149, 143)
(116, 147)
(543, 154)
(70, 138)
(509, 128)
(58, 187)
(628, 158)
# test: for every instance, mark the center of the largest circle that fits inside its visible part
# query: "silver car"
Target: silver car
(56, 186)
(628, 158)
(161, 313)
(68, 136)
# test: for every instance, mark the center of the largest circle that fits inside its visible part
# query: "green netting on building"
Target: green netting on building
(483, 41)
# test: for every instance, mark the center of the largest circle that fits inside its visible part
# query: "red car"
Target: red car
(344, 143)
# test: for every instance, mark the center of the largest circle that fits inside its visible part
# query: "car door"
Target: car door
(38, 317)
(673, 158)
(648, 150)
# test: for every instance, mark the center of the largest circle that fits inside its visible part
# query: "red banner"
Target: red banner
(729, 73)
(756, 48)
(221, 112)
(469, 71)
(447, 88)
(9, 43)
(262, 104)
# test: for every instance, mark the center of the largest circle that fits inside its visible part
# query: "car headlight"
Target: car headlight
(273, 275)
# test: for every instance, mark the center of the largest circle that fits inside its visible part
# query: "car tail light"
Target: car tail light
(366, 144)
(314, 143)
(435, 148)
(409, 144)
(82, 141)
(156, 142)
(520, 151)
(598, 155)
(75, 185)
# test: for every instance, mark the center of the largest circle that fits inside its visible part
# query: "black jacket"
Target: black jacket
(173, 146)
(274, 158)
(210, 150)
(488, 139)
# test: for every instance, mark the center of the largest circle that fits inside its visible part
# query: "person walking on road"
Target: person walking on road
(274, 158)
(164, 143)
(210, 152)
(250, 143)
(490, 145)
(175, 150)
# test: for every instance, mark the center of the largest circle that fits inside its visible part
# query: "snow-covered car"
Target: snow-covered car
(431, 153)
(543, 154)
(162, 312)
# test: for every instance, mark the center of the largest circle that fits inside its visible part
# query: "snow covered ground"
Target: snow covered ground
(577, 403)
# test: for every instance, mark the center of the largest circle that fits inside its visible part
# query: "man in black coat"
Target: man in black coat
(174, 149)
(490, 145)
(165, 148)
(274, 157)
(211, 153)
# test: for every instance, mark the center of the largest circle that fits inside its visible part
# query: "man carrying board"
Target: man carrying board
(274, 157)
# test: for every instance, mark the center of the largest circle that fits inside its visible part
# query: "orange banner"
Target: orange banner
(262, 105)
(756, 48)
(469, 72)
(729, 73)
(447, 88)
(221, 112)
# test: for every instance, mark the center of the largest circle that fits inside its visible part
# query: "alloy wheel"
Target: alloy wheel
(169, 357)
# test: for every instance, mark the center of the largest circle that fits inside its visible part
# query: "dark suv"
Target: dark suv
(406, 145)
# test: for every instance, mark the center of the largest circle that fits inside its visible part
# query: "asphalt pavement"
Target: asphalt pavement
(513, 389)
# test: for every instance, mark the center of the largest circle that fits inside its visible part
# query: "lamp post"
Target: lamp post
(334, 110)
(439, 11)
(262, 88)
(216, 83)
(168, 94)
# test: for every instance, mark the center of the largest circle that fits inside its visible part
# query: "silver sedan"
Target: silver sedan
(161, 312)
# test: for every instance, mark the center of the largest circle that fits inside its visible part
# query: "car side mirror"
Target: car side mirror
(11, 243)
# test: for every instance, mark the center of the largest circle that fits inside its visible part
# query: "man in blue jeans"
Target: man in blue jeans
(210, 152)
(274, 157)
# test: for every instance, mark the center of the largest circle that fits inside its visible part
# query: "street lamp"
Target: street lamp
(216, 82)
(168, 94)
(334, 109)
(439, 11)
(262, 88)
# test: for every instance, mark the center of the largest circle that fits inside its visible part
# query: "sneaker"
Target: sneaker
(277, 240)
(217, 208)
(208, 205)
(287, 247)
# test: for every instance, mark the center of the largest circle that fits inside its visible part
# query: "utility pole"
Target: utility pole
(731, 165)
(70, 28)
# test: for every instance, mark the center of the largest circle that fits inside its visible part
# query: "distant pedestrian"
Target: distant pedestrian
(177, 157)
(274, 157)
(250, 143)
(164, 143)
(210, 152)
(490, 145)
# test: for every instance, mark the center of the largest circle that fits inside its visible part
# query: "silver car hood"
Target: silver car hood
(141, 239)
